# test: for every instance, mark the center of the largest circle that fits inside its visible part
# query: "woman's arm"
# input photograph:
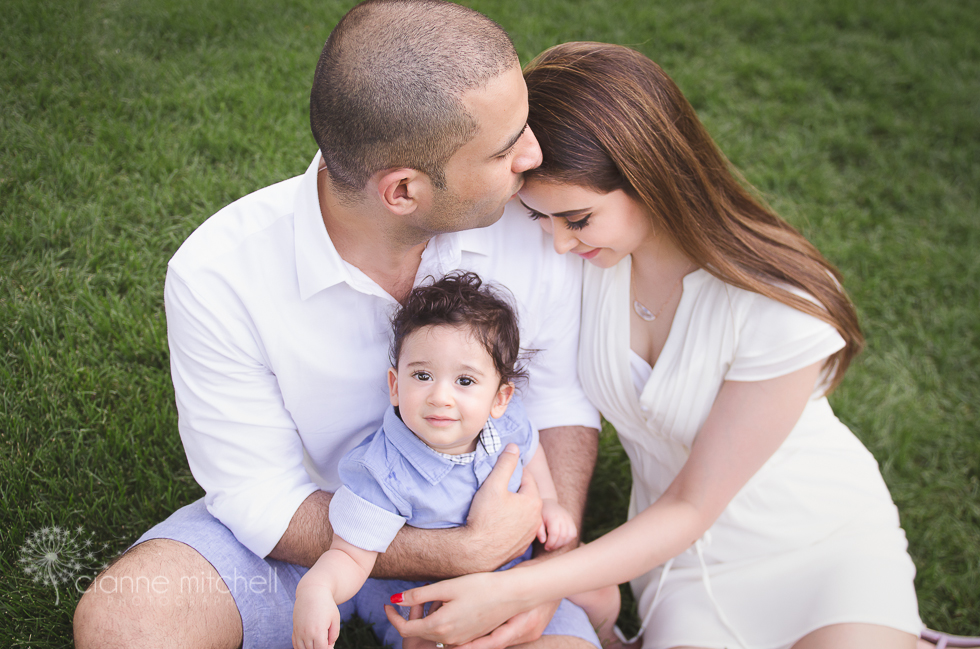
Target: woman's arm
(747, 423)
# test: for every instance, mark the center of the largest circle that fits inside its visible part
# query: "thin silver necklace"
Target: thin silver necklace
(644, 312)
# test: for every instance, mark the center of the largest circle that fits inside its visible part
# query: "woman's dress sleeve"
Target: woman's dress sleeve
(777, 339)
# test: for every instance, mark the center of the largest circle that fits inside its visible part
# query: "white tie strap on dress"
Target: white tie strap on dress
(706, 580)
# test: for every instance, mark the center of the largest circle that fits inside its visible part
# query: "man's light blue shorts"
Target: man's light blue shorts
(265, 589)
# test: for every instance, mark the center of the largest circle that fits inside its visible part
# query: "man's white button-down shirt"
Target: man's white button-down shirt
(279, 348)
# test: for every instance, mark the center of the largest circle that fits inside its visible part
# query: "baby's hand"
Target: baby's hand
(557, 527)
(316, 618)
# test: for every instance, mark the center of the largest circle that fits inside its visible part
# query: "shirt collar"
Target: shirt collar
(480, 241)
(489, 439)
(475, 241)
(432, 465)
(319, 266)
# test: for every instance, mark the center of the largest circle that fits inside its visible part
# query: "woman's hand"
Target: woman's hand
(472, 606)
(416, 613)
(521, 629)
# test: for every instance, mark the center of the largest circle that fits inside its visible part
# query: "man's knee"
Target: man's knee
(161, 592)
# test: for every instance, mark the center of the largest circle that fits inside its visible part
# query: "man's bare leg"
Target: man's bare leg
(161, 593)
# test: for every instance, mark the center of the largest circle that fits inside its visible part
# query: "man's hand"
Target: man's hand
(502, 524)
(500, 527)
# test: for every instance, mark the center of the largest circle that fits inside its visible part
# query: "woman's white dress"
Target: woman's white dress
(813, 539)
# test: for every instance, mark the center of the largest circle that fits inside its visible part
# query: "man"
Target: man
(277, 313)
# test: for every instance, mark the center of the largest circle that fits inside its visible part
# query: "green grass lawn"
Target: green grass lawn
(123, 125)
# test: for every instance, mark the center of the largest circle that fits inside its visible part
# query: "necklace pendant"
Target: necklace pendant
(643, 312)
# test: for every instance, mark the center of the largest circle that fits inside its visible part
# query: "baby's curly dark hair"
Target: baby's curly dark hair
(462, 299)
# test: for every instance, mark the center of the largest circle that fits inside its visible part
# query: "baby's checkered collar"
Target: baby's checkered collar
(490, 439)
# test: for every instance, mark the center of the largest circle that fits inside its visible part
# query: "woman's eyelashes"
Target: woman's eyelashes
(534, 214)
(577, 224)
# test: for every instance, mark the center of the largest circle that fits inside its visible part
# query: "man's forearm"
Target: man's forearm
(309, 533)
(572, 452)
(428, 555)
(415, 554)
(442, 554)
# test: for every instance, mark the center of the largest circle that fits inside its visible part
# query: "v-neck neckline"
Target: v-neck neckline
(686, 286)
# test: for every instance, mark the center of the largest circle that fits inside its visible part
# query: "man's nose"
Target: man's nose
(528, 153)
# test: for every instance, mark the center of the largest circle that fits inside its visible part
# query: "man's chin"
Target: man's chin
(492, 218)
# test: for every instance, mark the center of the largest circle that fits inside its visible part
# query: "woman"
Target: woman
(711, 333)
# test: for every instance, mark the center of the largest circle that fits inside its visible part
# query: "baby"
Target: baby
(455, 354)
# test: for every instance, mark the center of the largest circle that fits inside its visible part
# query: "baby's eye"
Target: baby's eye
(579, 224)
(422, 376)
(465, 381)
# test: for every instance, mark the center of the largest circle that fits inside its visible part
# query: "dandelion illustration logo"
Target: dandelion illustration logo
(56, 555)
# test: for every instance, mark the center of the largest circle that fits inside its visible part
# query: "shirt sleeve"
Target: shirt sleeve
(777, 339)
(361, 512)
(242, 446)
(554, 395)
(520, 430)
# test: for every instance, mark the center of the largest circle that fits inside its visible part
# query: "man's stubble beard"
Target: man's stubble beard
(451, 214)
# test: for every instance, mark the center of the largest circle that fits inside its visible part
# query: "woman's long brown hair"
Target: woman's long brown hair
(609, 118)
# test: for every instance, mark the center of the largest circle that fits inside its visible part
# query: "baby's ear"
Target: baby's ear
(393, 386)
(500, 401)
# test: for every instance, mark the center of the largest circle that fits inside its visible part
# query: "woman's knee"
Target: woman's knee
(863, 636)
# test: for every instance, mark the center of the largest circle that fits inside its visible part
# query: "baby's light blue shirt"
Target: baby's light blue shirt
(393, 478)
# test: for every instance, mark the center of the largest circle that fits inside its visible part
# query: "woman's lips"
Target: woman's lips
(590, 254)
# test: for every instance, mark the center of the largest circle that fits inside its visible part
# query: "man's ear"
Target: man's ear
(393, 386)
(500, 401)
(402, 191)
